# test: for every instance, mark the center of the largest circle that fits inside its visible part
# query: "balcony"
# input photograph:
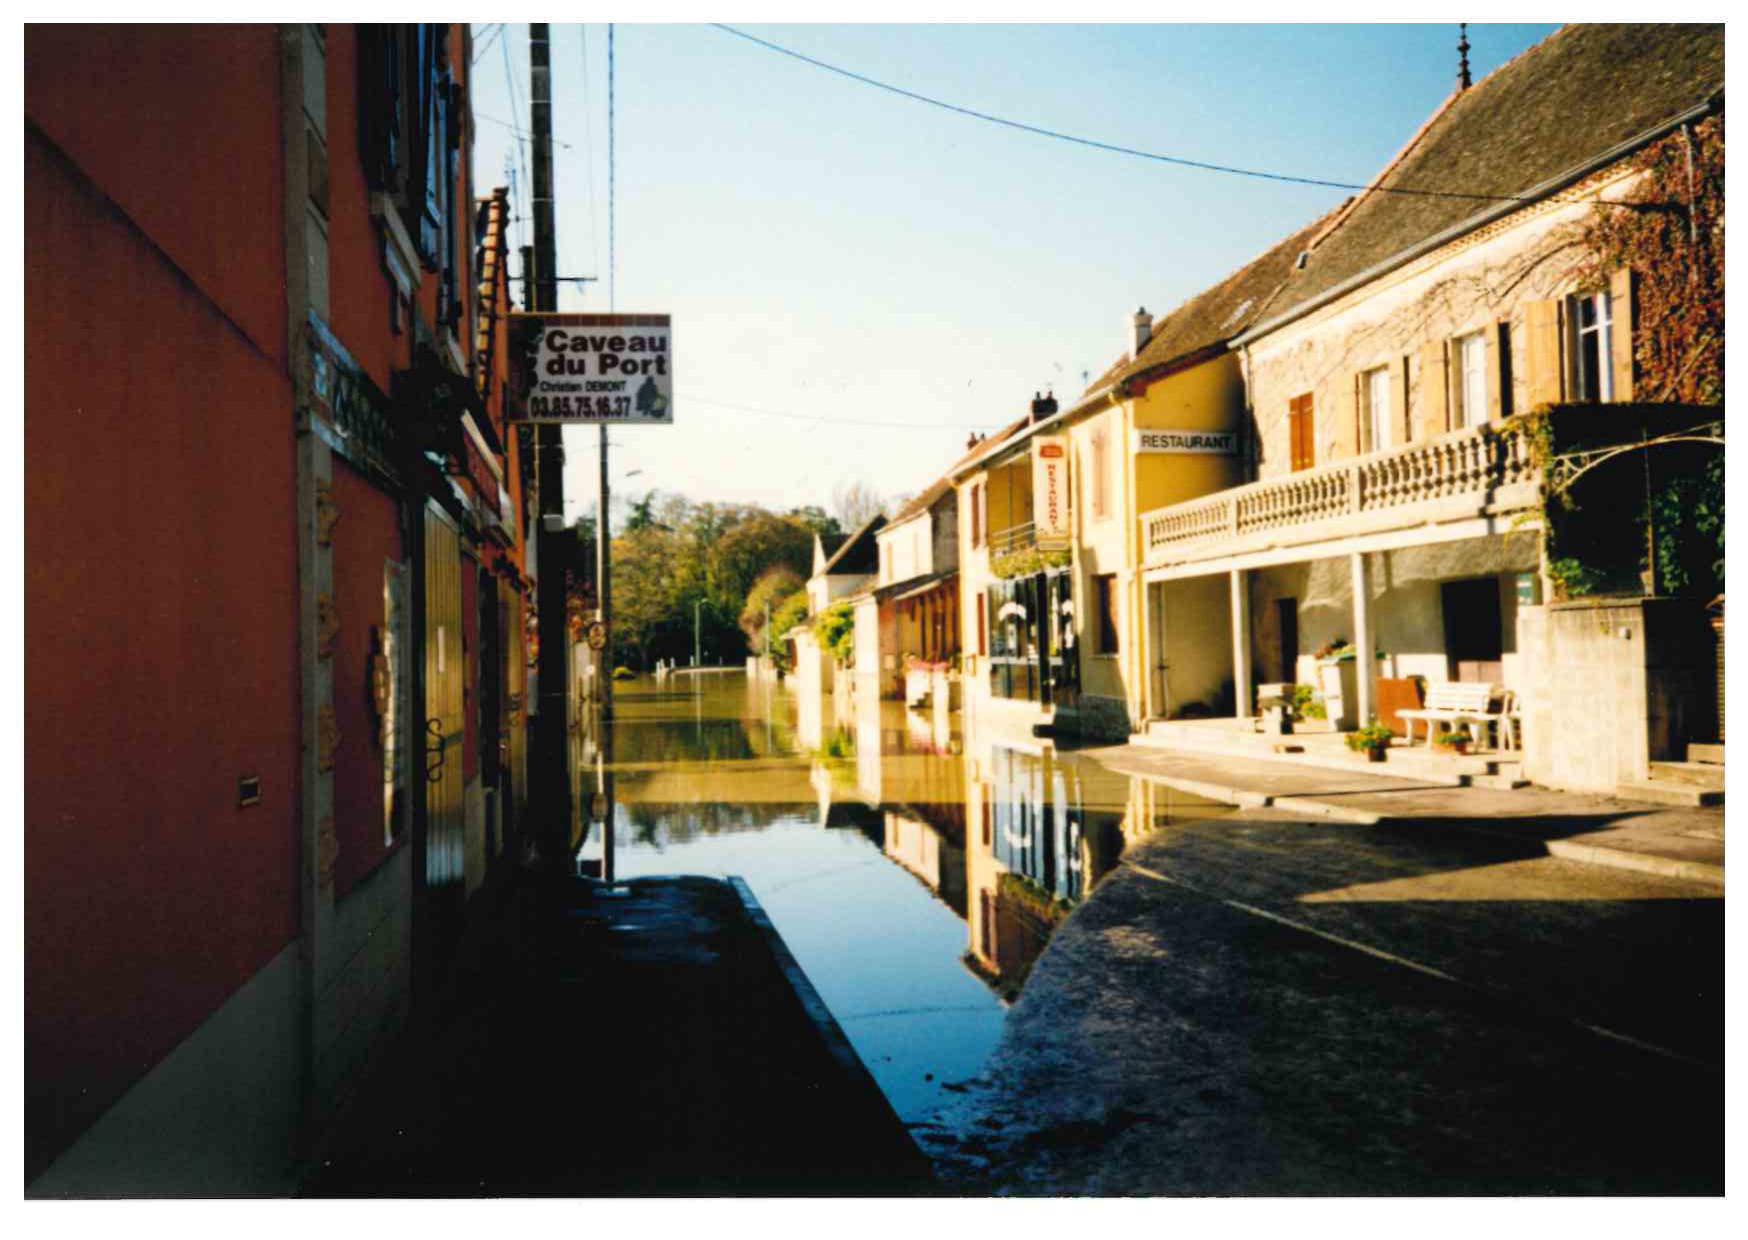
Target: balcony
(1479, 473)
(1022, 537)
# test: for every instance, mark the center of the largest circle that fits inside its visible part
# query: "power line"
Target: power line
(515, 109)
(492, 31)
(589, 150)
(514, 128)
(829, 420)
(1106, 146)
(612, 188)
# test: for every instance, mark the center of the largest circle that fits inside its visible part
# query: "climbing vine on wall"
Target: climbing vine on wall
(1670, 231)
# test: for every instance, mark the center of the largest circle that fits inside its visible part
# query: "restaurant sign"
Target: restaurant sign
(592, 368)
(1050, 491)
(1214, 443)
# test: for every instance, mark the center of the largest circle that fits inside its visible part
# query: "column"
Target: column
(1365, 665)
(1241, 644)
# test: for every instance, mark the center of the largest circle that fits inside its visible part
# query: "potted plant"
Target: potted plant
(1371, 740)
(1452, 742)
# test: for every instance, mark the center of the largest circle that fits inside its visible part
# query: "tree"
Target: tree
(773, 586)
(758, 542)
(854, 502)
(642, 513)
(818, 520)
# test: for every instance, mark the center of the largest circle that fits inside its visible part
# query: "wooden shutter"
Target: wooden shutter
(1543, 354)
(1301, 433)
(1620, 344)
(1504, 403)
(1356, 419)
(1435, 389)
(1401, 425)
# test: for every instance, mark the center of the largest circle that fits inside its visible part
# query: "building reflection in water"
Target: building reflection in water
(836, 812)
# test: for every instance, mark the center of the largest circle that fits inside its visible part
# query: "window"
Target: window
(1375, 422)
(1592, 365)
(1105, 604)
(982, 623)
(1471, 385)
(1101, 471)
(1301, 432)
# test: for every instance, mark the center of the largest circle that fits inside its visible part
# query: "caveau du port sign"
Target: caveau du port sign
(586, 369)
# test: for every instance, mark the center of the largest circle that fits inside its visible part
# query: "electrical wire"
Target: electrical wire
(589, 152)
(514, 128)
(521, 145)
(612, 188)
(1112, 147)
(492, 31)
(829, 420)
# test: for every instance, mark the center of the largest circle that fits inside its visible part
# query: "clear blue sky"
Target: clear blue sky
(836, 252)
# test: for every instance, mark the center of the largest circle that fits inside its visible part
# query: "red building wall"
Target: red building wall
(160, 570)
(367, 534)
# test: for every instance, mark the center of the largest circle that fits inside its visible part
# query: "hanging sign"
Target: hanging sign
(1215, 443)
(592, 368)
(1050, 491)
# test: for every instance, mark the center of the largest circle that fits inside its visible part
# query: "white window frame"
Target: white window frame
(1471, 385)
(1377, 390)
(1602, 306)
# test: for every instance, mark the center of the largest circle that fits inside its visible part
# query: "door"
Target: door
(1287, 626)
(445, 818)
(1474, 633)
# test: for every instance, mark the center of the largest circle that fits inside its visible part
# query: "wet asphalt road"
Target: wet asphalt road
(1268, 1006)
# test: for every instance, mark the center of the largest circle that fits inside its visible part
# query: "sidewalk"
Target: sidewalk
(1654, 839)
(652, 1038)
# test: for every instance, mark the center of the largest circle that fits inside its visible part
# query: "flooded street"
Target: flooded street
(915, 868)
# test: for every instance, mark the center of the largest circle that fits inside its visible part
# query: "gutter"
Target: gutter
(1529, 197)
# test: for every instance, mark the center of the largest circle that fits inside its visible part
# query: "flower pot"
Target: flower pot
(1376, 754)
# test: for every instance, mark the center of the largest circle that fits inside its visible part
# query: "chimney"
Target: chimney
(1043, 406)
(1143, 330)
(971, 441)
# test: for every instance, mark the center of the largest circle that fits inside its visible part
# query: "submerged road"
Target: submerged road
(1263, 1005)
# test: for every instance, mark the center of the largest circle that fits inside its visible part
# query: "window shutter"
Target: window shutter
(1504, 403)
(1541, 324)
(1354, 434)
(1402, 426)
(1435, 389)
(1299, 433)
(1620, 345)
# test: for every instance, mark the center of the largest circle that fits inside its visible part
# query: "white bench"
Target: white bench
(1453, 703)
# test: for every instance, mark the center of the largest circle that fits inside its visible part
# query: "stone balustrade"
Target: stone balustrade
(1476, 463)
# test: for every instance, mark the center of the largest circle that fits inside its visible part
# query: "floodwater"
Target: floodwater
(915, 867)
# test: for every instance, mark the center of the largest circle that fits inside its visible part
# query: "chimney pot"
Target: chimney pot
(1142, 331)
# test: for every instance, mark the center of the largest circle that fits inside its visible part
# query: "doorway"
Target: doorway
(1474, 630)
(1287, 630)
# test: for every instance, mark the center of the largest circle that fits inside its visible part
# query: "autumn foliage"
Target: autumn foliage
(1670, 231)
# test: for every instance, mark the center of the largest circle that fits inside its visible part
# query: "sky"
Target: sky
(858, 281)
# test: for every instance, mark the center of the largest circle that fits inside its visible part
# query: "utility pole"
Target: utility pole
(697, 658)
(555, 557)
(603, 527)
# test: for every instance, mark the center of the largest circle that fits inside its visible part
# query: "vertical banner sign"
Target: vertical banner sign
(583, 369)
(1050, 491)
(389, 687)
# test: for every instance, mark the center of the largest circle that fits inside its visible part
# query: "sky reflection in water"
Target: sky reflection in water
(915, 869)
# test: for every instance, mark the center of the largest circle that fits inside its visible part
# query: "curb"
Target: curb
(1245, 798)
(1644, 863)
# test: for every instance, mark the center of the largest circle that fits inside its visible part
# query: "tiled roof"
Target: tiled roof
(858, 554)
(1216, 315)
(1565, 102)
